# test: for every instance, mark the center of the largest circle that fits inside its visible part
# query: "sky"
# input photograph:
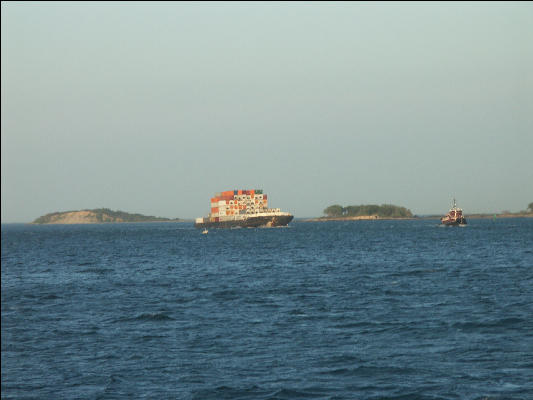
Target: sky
(152, 107)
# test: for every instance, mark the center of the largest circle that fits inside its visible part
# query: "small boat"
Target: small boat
(454, 217)
(205, 232)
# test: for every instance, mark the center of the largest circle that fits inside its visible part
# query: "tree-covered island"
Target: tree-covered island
(98, 215)
(366, 211)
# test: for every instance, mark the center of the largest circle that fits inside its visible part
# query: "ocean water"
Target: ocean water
(331, 310)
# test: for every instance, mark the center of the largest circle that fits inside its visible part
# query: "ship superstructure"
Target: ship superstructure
(242, 208)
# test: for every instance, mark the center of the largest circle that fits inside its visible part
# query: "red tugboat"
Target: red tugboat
(454, 217)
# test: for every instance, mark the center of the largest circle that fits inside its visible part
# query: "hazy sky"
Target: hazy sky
(154, 107)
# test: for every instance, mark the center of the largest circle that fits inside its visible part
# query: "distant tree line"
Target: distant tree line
(383, 211)
(102, 215)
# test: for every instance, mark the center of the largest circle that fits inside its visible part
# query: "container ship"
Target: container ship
(454, 217)
(242, 209)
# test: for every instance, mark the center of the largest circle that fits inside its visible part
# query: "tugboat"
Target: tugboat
(454, 217)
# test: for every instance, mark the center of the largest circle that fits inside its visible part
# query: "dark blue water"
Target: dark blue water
(334, 310)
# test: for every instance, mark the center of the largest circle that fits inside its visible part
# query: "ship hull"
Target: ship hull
(250, 222)
(454, 222)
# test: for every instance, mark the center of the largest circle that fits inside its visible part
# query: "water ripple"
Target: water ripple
(362, 310)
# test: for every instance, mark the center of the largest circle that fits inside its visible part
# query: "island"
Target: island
(364, 212)
(97, 216)
(388, 211)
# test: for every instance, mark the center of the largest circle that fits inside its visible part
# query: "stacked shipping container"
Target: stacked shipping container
(231, 204)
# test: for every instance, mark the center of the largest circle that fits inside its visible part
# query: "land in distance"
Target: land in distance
(528, 213)
(356, 218)
(520, 214)
(363, 212)
(389, 211)
(97, 216)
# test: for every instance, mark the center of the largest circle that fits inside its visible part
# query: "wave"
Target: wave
(369, 371)
(146, 317)
(226, 294)
(148, 338)
(503, 323)
(99, 271)
(83, 264)
(50, 296)
(254, 392)
(153, 317)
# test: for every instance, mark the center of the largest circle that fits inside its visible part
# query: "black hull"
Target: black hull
(250, 222)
